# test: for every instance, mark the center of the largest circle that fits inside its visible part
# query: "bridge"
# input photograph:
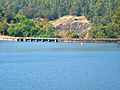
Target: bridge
(30, 39)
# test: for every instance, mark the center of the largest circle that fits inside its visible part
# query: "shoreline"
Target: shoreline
(81, 40)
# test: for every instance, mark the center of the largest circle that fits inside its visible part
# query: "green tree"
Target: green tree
(72, 34)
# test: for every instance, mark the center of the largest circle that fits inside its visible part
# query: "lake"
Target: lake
(59, 66)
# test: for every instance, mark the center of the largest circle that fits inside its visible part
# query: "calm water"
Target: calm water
(59, 66)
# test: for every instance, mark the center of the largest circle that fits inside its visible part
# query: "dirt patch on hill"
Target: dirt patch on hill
(72, 23)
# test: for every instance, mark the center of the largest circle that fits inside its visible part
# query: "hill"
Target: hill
(103, 14)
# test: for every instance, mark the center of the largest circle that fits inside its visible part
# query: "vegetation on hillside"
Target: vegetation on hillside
(107, 30)
(16, 15)
(20, 26)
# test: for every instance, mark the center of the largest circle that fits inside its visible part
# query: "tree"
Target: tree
(72, 34)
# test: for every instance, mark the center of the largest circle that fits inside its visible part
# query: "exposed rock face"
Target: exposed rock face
(72, 23)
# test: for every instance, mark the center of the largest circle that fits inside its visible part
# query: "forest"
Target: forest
(16, 16)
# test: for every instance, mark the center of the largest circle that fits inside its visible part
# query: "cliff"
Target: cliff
(78, 24)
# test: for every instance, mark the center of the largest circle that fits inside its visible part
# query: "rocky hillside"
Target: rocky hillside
(78, 24)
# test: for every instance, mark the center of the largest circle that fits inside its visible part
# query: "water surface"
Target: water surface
(59, 66)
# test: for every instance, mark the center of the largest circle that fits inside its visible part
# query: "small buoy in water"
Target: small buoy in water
(82, 43)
